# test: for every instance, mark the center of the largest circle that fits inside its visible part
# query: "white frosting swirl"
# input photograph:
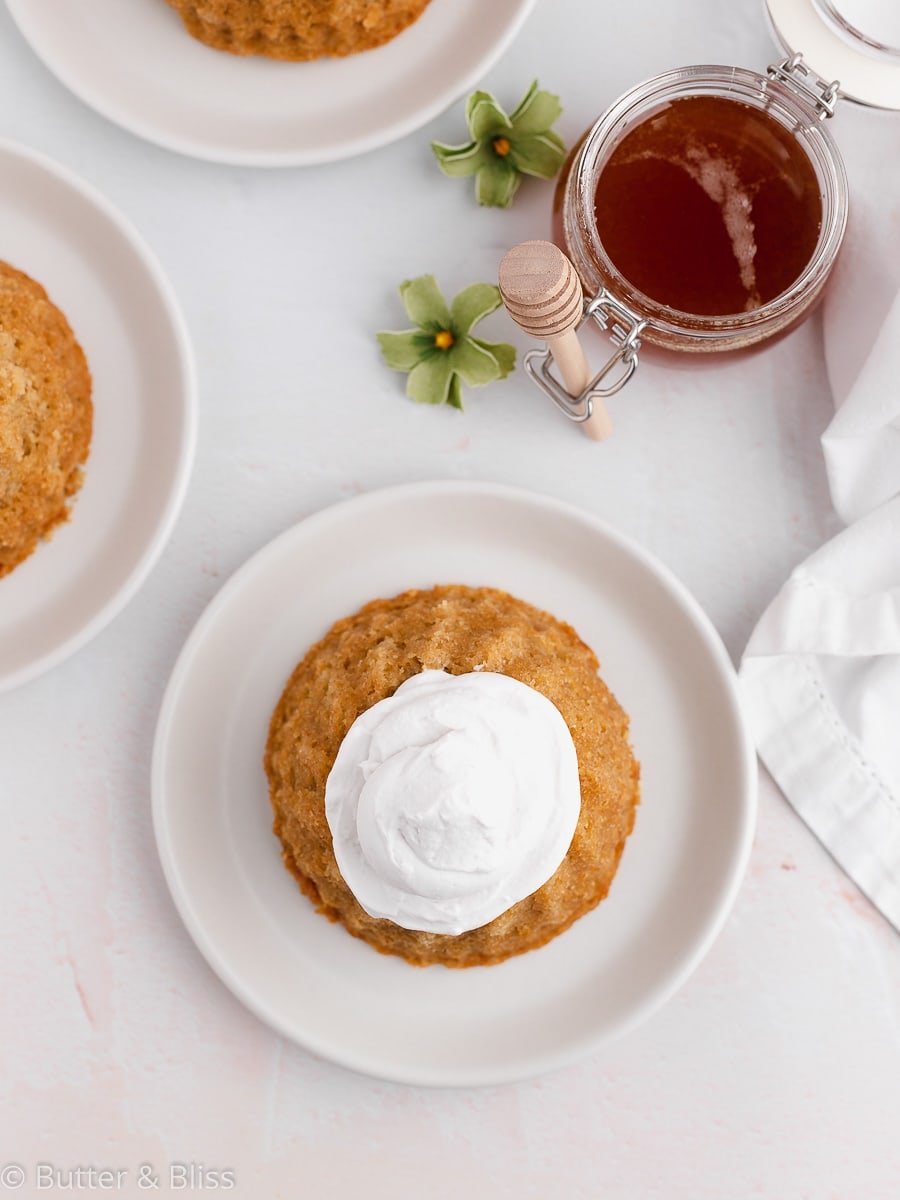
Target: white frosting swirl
(452, 800)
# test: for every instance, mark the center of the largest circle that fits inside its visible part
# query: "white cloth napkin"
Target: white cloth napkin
(821, 673)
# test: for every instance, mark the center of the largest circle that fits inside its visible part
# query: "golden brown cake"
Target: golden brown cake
(297, 30)
(46, 415)
(363, 659)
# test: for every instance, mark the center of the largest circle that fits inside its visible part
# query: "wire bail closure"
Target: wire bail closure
(624, 328)
(820, 94)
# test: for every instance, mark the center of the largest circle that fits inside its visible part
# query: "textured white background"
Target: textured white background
(774, 1073)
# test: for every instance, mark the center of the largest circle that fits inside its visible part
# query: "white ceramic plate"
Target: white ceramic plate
(333, 994)
(96, 268)
(133, 61)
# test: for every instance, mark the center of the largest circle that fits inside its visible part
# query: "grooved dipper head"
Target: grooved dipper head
(540, 289)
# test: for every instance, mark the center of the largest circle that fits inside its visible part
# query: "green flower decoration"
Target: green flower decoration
(504, 148)
(440, 353)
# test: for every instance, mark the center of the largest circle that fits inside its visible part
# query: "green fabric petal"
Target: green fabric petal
(425, 303)
(461, 160)
(485, 117)
(429, 380)
(401, 351)
(502, 352)
(473, 99)
(474, 363)
(497, 184)
(472, 304)
(540, 154)
(454, 396)
(536, 112)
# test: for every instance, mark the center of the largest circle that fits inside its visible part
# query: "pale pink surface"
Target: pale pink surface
(773, 1073)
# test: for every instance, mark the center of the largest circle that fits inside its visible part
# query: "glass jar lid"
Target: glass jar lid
(855, 42)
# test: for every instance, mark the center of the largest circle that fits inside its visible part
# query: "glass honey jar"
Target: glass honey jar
(705, 209)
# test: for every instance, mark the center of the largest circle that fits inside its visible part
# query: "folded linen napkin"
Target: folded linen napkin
(821, 672)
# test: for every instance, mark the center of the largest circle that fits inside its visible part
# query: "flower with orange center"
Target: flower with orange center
(440, 353)
(504, 148)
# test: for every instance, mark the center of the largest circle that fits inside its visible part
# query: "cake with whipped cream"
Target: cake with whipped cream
(450, 777)
(297, 30)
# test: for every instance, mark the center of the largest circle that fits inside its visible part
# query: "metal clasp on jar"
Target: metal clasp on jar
(624, 328)
(818, 93)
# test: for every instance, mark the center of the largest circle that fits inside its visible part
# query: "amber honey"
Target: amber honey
(709, 206)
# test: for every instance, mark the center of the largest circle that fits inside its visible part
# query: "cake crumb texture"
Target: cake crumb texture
(46, 416)
(297, 30)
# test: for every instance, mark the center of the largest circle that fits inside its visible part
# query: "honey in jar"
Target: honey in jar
(705, 209)
(709, 206)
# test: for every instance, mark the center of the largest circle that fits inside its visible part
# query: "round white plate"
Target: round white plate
(134, 62)
(95, 267)
(333, 994)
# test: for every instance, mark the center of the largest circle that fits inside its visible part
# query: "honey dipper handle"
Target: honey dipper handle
(576, 375)
(570, 361)
(543, 295)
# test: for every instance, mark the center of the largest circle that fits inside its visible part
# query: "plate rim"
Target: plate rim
(519, 1069)
(148, 559)
(21, 16)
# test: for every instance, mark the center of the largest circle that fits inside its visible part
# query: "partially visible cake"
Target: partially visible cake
(297, 30)
(46, 416)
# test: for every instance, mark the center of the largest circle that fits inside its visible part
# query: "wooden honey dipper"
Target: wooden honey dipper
(542, 294)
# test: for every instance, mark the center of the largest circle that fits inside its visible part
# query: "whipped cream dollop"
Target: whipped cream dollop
(453, 799)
